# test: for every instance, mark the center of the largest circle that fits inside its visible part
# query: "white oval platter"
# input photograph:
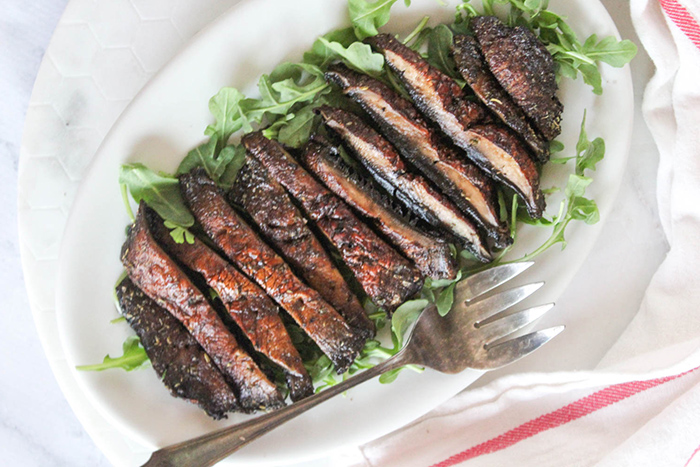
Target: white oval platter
(168, 118)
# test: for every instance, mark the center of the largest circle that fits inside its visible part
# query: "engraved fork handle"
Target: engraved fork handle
(209, 449)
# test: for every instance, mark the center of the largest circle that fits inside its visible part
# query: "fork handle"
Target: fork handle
(209, 449)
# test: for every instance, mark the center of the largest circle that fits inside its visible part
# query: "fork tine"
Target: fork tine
(485, 308)
(485, 281)
(507, 352)
(503, 326)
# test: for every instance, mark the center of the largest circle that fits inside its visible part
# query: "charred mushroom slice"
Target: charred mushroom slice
(252, 310)
(435, 94)
(380, 158)
(159, 277)
(285, 227)
(473, 68)
(430, 93)
(178, 360)
(257, 260)
(525, 69)
(499, 152)
(464, 183)
(386, 277)
(431, 254)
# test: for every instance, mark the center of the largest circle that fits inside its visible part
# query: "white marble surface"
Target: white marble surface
(37, 427)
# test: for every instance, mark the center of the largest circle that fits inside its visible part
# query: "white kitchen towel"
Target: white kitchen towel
(641, 406)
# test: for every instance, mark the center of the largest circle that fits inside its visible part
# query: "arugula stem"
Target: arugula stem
(417, 30)
(545, 246)
(118, 362)
(127, 204)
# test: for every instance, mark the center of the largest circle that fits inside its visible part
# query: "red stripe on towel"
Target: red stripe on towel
(683, 19)
(692, 456)
(566, 414)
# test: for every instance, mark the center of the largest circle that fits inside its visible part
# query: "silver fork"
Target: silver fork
(473, 335)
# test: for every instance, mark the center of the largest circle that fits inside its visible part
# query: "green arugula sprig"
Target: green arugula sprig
(367, 17)
(221, 165)
(289, 86)
(575, 206)
(322, 370)
(133, 357)
(162, 193)
(572, 56)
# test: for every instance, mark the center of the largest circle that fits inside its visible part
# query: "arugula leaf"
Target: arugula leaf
(609, 50)
(588, 153)
(180, 234)
(580, 208)
(556, 146)
(404, 316)
(296, 128)
(297, 131)
(366, 16)
(205, 156)
(272, 131)
(446, 299)
(591, 76)
(439, 283)
(390, 376)
(287, 85)
(440, 54)
(133, 358)
(230, 116)
(320, 55)
(160, 192)
(356, 55)
(320, 370)
(237, 159)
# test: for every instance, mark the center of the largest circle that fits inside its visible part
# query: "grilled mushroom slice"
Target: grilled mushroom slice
(464, 183)
(381, 159)
(431, 254)
(474, 69)
(178, 360)
(439, 97)
(525, 69)
(252, 310)
(257, 260)
(159, 277)
(500, 153)
(285, 227)
(387, 277)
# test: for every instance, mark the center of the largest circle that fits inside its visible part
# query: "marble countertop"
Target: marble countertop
(37, 427)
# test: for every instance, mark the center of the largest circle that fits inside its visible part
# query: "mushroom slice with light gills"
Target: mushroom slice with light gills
(442, 163)
(380, 158)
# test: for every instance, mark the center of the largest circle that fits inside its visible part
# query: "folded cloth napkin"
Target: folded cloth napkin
(641, 405)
